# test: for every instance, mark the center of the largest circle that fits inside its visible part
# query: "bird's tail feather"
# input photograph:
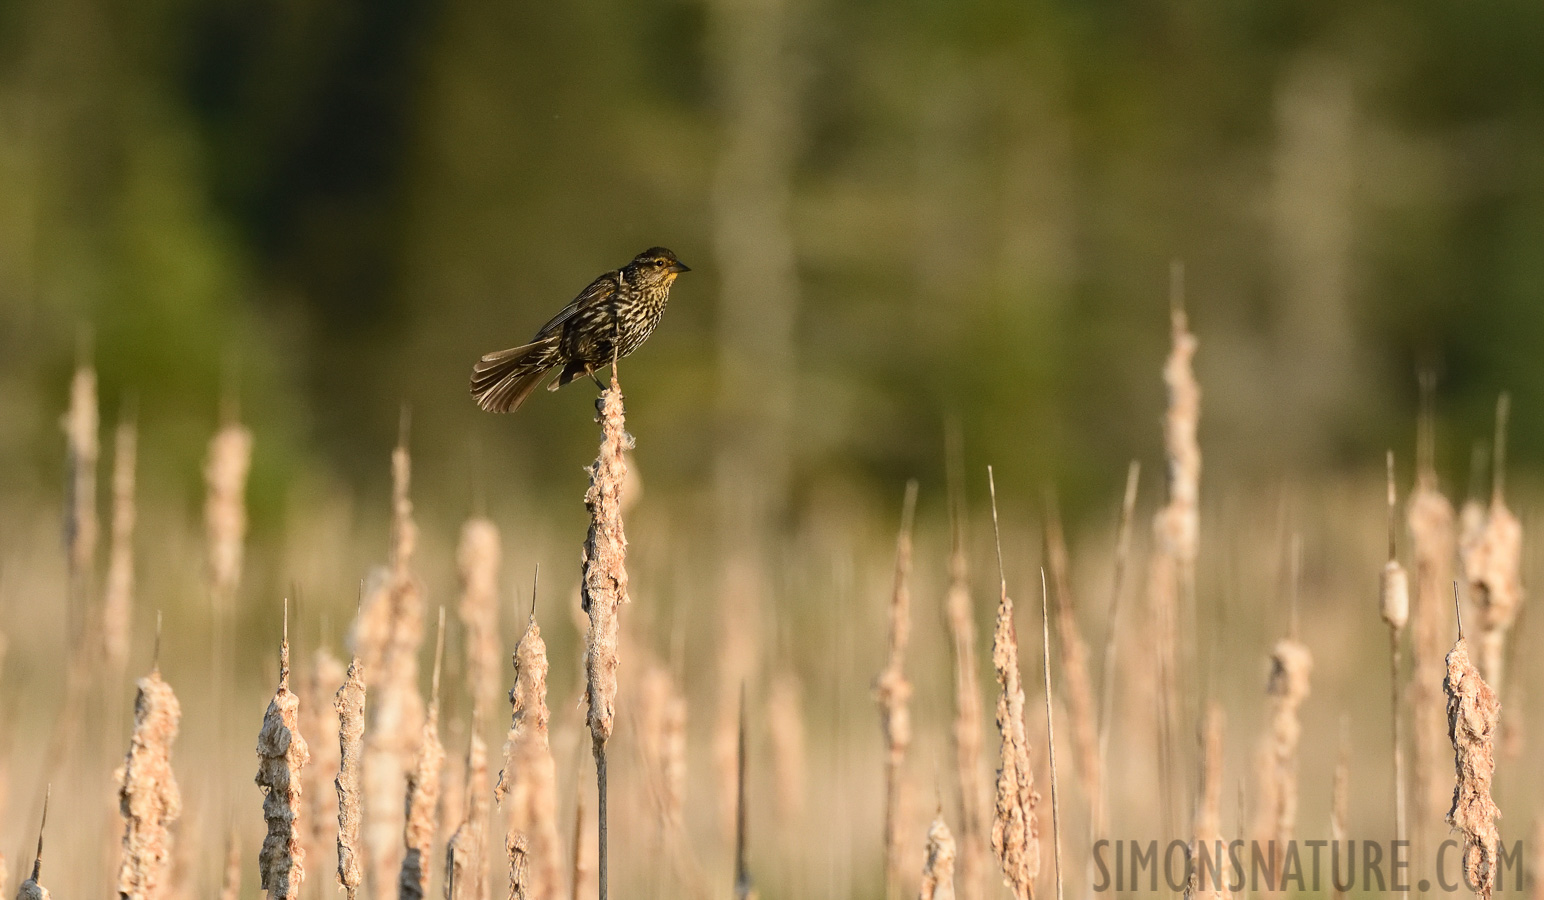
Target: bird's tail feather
(502, 381)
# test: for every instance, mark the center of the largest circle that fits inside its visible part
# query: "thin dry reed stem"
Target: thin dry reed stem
(1098, 820)
(32, 888)
(148, 798)
(118, 598)
(466, 853)
(1050, 730)
(605, 589)
(1434, 540)
(1209, 875)
(1394, 606)
(1493, 564)
(938, 871)
(281, 753)
(319, 718)
(478, 558)
(388, 635)
(1473, 716)
(423, 791)
(1015, 830)
(527, 788)
(349, 703)
(1074, 650)
(893, 694)
(1340, 799)
(744, 887)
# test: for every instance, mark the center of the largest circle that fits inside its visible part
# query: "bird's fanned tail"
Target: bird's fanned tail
(502, 381)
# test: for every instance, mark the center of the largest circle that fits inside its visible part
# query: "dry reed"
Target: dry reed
(423, 791)
(1050, 730)
(349, 703)
(319, 718)
(938, 871)
(225, 509)
(1394, 606)
(32, 888)
(959, 614)
(1493, 563)
(81, 423)
(281, 753)
(148, 798)
(1473, 716)
(478, 558)
(118, 597)
(893, 694)
(1291, 667)
(1434, 543)
(1074, 650)
(1098, 820)
(1015, 830)
(527, 787)
(388, 635)
(605, 590)
(466, 853)
(1208, 847)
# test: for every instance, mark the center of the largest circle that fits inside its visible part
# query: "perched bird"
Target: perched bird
(608, 320)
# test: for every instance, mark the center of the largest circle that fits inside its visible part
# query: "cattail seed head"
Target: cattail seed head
(1473, 717)
(281, 753)
(148, 798)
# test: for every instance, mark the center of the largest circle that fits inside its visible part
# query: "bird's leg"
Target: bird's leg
(596, 378)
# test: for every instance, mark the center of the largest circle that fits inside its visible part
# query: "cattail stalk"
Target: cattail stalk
(1473, 716)
(349, 703)
(388, 635)
(527, 788)
(1015, 830)
(319, 718)
(32, 888)
(604, 590)
(1098, 821)
(281, 753)
(81, 424)
(118, 599)
(1050, 730)
(423, 791)
(478, 558)
(1291, 667)
(1493, 563)
(893, 694)
(959, 614)
(466, 853)
(148, 798)
(1208, 847)
(1074, 650)
(938, 871)
(1394, 606)
(785, 714)
(225, 510)
(1434, 544)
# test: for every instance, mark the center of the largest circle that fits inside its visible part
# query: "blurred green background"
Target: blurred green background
(896, 213)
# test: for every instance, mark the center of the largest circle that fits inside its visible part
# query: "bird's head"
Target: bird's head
(658, 264)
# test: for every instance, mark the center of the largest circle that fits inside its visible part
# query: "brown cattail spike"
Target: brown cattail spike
(148, 798)
(1015, 831)
(118, 600)
(466, 851)
(281, 752)
(350, 705)
(1473, 717)
(1493, 563)
(527, 786)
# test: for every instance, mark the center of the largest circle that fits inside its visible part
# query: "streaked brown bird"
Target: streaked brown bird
(607, 321)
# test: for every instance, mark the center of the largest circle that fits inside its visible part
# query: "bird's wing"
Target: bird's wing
(599, 291)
